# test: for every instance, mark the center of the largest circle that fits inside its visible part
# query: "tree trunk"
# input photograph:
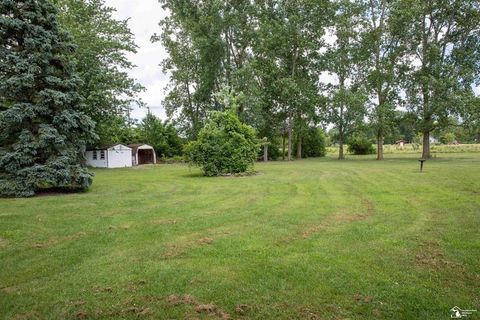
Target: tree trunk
(380, 145)
(426, 145)
(340, 148)
(265, 153)
(341, 127)
(299, 147)
(283, 149)
(289, 158)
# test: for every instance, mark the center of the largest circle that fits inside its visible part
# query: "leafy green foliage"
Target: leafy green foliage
(117, 130)
(224, 145)
(101, 60)
(443, 36)
(44, 128)
(313, 143)
(162, 136)
(360, 145)
(347, 98)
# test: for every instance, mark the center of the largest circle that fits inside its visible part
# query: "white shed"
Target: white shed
(113, 156)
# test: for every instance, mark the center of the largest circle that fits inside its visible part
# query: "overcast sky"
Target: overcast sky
(144, 16)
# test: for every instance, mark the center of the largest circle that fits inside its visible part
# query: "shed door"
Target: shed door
(145, 156)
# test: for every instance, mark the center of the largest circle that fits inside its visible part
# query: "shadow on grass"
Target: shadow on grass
(194, 175)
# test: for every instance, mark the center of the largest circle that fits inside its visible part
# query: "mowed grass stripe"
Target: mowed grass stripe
(356, 239)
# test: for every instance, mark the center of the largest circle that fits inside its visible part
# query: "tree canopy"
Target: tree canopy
(381, 57)
(43, 121)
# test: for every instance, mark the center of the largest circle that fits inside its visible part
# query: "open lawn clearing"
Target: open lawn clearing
(311, 239)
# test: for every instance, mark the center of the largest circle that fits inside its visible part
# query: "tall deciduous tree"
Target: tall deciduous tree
(193, 35)
(383, 50)
(103, 44)
(43, 126)
(347, 96)
(287, 51)
(444, 50)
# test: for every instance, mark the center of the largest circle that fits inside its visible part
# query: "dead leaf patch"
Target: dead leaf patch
(81, 315)
(106, 289)
(205, 241)
(242, 309)
(350, 217)
(185, 299)
(360, 298)
(55, 241)
(312, 230)
(209, 309)
(3, 243)
(10, 290)
(138, 311)
(206, 308)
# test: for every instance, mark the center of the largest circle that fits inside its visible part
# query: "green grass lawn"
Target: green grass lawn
(311, 239)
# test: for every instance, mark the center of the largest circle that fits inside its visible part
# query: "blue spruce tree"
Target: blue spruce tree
(43, 128)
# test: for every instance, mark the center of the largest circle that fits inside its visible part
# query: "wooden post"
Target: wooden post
(265, 144)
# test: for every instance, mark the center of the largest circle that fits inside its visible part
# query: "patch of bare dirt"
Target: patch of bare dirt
(139, 311)
(81, 315)
(174, 251)
(56, 241)
(3, 243)
(76, 303)
(369, 206)
(206, 308)
(360, 298)
(103, 289)
(29, 315)
(350, 217)
(164, 221)
(205, 241)
(313, 230)
(10, 290)
(196, 281)
(376, 313)
(242, 309)
(432, 257)
(209, 309)
(182, 299)
(133, 287)
(309, 314)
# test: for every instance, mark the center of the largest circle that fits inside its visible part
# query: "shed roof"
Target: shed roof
(136, 146)
(105, 147)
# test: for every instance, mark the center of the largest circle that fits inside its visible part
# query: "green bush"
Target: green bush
(224, 145)
(274, 150)
(313, 143)
(360, 145)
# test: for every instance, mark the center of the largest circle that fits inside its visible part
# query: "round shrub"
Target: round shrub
(224, 145)
(360, 145)
(313, 143)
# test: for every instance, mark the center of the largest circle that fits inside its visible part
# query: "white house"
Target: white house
(113, 156)
(142, 154)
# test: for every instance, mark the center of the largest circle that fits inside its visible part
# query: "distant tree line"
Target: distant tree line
(379, 68)
(364, 69)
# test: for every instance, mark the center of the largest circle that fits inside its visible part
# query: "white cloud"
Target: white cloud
(144, 16)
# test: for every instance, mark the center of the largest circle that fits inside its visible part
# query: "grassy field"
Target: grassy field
(409, 148)
(311, 239)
